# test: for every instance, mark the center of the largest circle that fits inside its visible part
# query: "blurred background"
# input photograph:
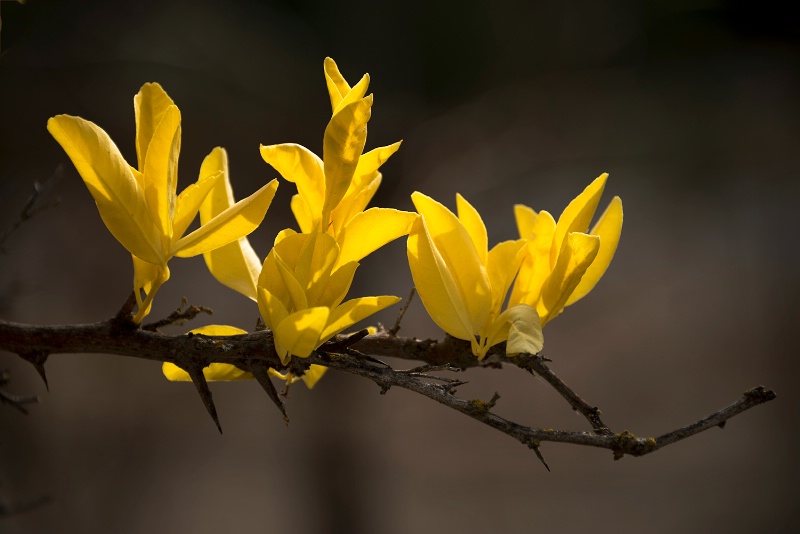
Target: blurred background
(691, 106)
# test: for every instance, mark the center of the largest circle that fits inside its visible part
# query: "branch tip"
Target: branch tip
(396, 328)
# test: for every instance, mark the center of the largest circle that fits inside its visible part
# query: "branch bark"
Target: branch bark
(356, 354)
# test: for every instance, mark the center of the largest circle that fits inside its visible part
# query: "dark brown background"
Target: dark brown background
(691, 106)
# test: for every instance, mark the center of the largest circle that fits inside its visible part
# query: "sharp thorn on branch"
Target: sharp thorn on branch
(260, 325)
(261, 373)
(340, 344)
(199, 380)
(539, 455)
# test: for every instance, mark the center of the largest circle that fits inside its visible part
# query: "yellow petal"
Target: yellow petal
(577, 253)
(188, 202)
(356, 93)
(337, 85)
(273, 311)
(233, 223)
(608, 228)
(473, 223)
(302, 213)
(119, 199)
(435, 284)
(160, 172)
(354, 202)
(299, 333)
(337, 285)
(321, 265)
(457, 250)
(520, 325)
(215, 371)
(147, 279)
(313, 374)
(343, 143)
(372, 160)
(297, 294)
(370, 230)
(502, 265)
(535, 267)
(299, 165)
(577, 215)
(149, 105)
(353, 311)
(236, 265)
(525, 218)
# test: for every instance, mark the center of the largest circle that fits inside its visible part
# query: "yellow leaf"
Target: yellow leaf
(188, 203)
(337, 85)
(525, 330)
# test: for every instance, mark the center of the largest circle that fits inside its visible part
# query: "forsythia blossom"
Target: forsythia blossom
(463, 284)
(139, 205)
(562, 261)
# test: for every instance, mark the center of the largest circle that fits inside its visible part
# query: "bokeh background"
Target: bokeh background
(692, 107)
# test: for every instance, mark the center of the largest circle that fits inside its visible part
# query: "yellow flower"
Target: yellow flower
(334, 191)
(562, 262)
(463, 284)
(301, 289)
(139, 205)
(227, 372)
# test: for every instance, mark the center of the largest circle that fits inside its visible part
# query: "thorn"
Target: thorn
(199, 380)
(342, 344)
(260, 324)
(40, 369)
(262, 376)
(535, 447)
(37, 359)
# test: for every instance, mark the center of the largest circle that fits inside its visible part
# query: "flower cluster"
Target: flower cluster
(482, 295)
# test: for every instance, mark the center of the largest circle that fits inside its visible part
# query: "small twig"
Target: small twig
(14, 401)
(396, 328)
(34, 204)
(184, 313)
(535, 364)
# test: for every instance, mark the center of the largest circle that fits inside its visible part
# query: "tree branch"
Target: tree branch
(355, 354)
